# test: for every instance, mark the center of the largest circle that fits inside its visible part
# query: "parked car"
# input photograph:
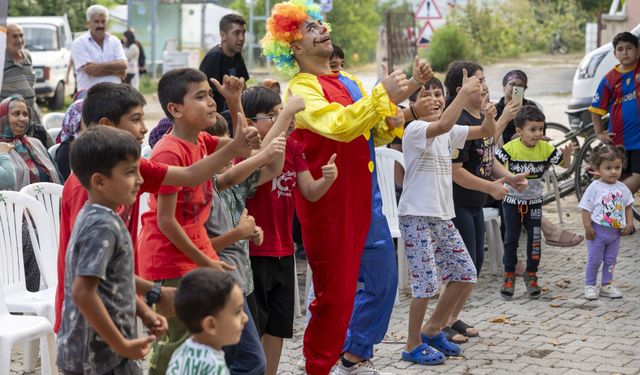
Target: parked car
(48, 39)
(590, 72)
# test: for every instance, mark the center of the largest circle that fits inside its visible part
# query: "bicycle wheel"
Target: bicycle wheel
(558, 137)
(584, 172)
(583, 177)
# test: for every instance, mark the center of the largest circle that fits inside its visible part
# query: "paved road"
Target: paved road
(561, 333)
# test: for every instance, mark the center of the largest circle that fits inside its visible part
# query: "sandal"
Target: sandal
(462, 328)
(450, 333)
(565, 239)
(424, 355)
(441, 343)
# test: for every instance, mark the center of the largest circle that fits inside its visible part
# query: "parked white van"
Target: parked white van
(48, 39)
(590, 72)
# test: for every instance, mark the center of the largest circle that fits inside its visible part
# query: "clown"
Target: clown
(345, 234)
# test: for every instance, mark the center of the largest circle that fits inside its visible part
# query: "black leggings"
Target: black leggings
(470, 223)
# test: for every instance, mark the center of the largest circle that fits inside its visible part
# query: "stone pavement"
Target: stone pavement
(561, 333)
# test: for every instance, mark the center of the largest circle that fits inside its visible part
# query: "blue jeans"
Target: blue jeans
(470, 223)
(515, 217)
(247, 356)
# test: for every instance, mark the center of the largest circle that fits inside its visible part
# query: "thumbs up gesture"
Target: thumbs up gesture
(330, 170)
(246, 137)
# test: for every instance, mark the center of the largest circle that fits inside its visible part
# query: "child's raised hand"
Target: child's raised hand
(231, 87)
(247, 137)
(258, 236)
(470, 85)
(276, 147)
(421, 70)
(136, 348)
(330, 170)
(424, 106)
(490, 110)
(295, 103)
(396, 84)
(395, 122)
(247, 224)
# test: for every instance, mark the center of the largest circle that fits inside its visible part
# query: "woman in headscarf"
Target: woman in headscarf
(31, 163)
(71, 126)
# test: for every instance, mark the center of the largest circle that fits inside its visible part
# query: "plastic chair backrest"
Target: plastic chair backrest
(50, 197)
(53, 120)
(53, 133)
(144, 207)
(146, 152)
(13, 205)
(386, 159)
(4, 310)
(52, 151)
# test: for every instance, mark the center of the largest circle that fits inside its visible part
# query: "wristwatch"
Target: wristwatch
(153, 295)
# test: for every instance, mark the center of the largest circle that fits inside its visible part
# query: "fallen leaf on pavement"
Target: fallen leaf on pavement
(501, 319)
(554, 342)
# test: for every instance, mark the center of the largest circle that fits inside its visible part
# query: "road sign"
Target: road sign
(424, 37)
(326, 6)
(428, 10)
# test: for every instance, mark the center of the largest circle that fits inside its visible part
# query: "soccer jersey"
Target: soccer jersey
(618, 94)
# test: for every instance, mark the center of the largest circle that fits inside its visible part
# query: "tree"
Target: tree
(75, 9)
(355, 24)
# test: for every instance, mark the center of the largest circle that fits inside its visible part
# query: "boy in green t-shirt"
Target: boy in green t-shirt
(527, 154)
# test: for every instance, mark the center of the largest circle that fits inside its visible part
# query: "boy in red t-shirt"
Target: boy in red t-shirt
(121, 106)
(272, 207)
(173, 240)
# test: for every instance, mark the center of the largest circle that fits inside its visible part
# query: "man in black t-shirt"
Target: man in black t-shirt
(226, 58)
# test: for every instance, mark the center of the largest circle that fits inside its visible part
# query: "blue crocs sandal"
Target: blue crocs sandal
(424, 355)
(441, 343)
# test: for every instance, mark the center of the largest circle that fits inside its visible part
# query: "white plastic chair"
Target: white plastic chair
(53, 120)
(49, 196)
(146, 152)
(12, 278)
(494, 239)
(386, 159)
(53, 132)
(25, 329)
(52, 151)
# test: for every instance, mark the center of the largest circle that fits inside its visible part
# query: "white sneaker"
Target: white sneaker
(302, 363)
(590, 292)
(610, 291)
(362, 368)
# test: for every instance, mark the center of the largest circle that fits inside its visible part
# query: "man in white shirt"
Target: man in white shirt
(97, 55)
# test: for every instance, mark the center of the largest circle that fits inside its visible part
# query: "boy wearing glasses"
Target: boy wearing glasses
(272, 206)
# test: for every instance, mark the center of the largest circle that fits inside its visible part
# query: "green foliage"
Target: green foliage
(502, 29)
(148, 85)
(355, 29)
(75, 9)
(354, 25)
(448, 44)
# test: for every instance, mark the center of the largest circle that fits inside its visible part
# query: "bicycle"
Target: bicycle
(584, 173)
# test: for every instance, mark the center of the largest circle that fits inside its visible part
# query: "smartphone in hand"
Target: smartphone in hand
(518, 94)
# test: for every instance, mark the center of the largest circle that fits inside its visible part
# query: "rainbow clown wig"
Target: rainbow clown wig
(282, 29)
